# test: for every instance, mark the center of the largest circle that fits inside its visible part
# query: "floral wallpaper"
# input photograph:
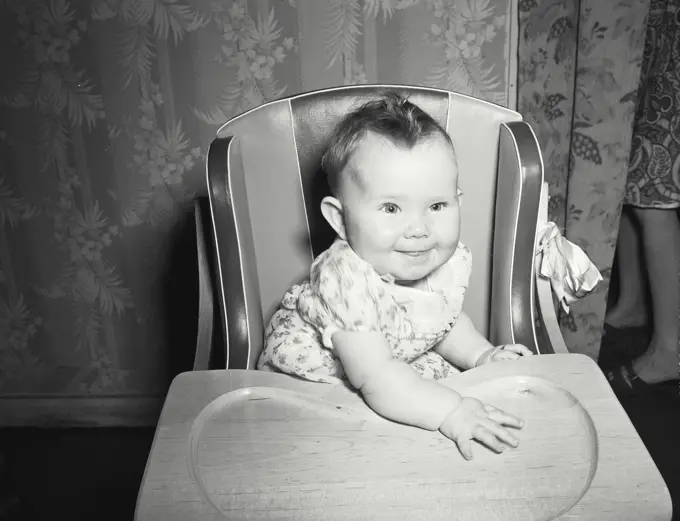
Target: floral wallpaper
(579, 70)
(106, 111)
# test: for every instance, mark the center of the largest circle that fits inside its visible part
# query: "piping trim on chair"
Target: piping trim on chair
(532, 281)
(240, 259)
(532, 296)
(515, 230)
(217, 252)
(368, 86)
(232, 209)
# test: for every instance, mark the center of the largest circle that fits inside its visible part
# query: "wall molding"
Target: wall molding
(65, 411)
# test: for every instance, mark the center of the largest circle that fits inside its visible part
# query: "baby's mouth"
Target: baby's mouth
(416, 253)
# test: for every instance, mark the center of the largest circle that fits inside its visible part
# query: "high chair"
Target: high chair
(246, 444)
(265, 189)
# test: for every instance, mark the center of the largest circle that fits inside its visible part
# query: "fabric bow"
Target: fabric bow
(572, 275)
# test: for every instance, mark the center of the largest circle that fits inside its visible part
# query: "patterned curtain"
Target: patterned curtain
(579, 70)
(106, 110)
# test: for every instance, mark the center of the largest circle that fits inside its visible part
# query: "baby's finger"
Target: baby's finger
(465, 448)
(519, 349)
(506, 355)
(501, 433)
(487, 437)
(504, 418)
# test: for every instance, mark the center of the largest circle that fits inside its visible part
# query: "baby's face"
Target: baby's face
(401, 208)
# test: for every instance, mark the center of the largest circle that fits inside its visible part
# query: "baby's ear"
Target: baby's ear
(331, 209)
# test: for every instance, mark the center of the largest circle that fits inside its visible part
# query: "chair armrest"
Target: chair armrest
(520, 178)
(236, 266)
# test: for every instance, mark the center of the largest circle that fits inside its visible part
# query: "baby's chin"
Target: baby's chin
(415, 277)
(420, 274)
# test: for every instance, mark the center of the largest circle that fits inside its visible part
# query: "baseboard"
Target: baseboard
(79, 411)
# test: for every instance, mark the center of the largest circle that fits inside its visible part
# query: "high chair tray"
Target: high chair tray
(253, 445)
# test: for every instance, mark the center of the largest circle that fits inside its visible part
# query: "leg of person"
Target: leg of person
(629, 310)
(661, 243)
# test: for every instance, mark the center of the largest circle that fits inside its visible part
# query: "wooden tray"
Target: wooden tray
(261, 446)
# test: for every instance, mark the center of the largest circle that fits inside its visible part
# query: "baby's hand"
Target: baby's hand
(474, 420)
(510, 352)
(505, 352)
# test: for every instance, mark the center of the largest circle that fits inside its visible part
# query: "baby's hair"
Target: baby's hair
(392, 116)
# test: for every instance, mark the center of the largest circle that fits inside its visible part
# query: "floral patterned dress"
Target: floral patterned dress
(654, 171)
(345, 293)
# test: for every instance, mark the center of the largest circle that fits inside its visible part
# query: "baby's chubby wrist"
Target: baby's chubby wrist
(439, 402)
(486, 355)
(451, 412)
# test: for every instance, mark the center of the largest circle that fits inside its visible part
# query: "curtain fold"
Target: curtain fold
(106, 111)
(579, 71)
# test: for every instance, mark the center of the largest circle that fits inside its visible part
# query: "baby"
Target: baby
(382, 306)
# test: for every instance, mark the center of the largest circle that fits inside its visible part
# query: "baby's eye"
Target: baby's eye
(390, 208)
(438, 207)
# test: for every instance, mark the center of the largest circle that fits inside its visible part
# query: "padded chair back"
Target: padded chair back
(266, 187)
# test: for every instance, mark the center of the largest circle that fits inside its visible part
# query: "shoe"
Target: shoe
(621, 345)
(626, 331)
(624, 381)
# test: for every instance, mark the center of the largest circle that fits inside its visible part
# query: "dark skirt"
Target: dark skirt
(654, 170)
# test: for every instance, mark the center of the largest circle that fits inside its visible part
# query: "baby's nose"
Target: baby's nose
(417, 228)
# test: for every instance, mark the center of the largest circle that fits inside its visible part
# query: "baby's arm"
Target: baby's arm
(396, 391)
(392, 388)
(463, 346)
(466, 348)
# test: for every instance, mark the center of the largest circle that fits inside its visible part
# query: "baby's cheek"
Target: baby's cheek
(381, 233)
